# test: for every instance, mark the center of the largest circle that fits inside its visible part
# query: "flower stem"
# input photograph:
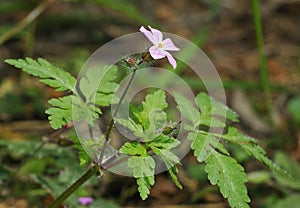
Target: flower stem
(111, 124)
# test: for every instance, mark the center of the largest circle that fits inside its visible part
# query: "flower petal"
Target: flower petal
(157, 35)
(157, 53)
(85, 200)
(169, 45)
(172, 61)
(148, 34)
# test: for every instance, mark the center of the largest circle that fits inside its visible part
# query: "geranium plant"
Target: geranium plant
(155, 134)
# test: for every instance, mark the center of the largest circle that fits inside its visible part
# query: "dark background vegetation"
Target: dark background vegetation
(66, 32)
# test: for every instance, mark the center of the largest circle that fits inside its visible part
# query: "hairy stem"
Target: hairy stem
(74, 187)
(111, 124)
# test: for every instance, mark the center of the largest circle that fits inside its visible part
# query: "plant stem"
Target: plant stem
(93, 169)
(262, 56)
(111, 124)
(74, 187)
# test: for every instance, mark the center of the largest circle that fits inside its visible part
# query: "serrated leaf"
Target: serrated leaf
(141, 166)
(173, 171)
(157, 119)
(133, 148)
(137, 129)
(187, 109)
(143, 171)
(209, 107)
(292, 167)
(202, 145)
(165, 142)
(82, 111)
(83, 156)
(103, 99)
(97, 82)
(252, 148)
(61, 113)
(153, 102)
(169, 157)
(49, 74)
(230, 177)
(144, 185)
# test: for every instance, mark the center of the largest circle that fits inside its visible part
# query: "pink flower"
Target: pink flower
(160, 46)
(85, 200)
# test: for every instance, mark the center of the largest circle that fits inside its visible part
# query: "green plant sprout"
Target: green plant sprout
(155, 132)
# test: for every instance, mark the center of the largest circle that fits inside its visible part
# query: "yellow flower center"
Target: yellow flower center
(160, 45)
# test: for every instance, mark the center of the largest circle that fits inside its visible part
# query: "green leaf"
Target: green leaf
(103, 99)
(49, 74)
(161, 146)
(108, 84)
(292, 167)
(133, 148)
(84, 112)
(61, 113)
(144, 185)
(230, 177)
(252, 148)
(157, 119)
(187, 109)
(165, 142)
(97, 83)
(83, 156)
(173, 171)
(137, 129)
(143, 171)
(202, 145)
(142, 166)
(153, 102)
(209, 107)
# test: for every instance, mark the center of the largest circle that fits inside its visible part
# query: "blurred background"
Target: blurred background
(262, 86)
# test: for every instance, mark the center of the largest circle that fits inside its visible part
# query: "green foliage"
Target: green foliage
(222, 169)
(292, 167)
(89, 92)
(137, 129)
(201, 144)
(83, 156)
(143, 171)
(152, 102)
(229, 176)
(251, 146)
(133, 148)
(151, 129)
(210, 108)
(49, 74)
(61, 113)
(155, 133)
(144, 185)
(187, 109)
